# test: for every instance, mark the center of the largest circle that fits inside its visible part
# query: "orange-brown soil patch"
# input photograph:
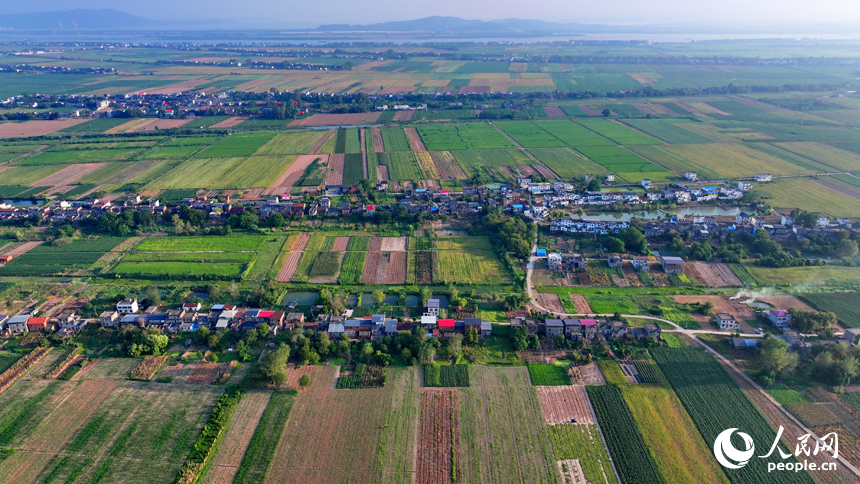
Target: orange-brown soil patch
(564, 404)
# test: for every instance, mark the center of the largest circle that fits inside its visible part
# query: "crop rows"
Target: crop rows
(401, 166)
(549, 375)
(583, 442)
(462, 137)
(394, 139)
(844, 304)
(353, 266)
(327, 264)
(715, 403)
(446, 375)
(648, 371)
(236, 145)
(480, 267)
(261, 450)
(353, 169)
(18, 368)
(208, 439)
(631, 456)
(226, 244)
(147, 368)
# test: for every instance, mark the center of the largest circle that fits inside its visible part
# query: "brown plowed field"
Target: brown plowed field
(68, 175)
(404, 115)
(122, 128)
(206, 373)
(55, 431)
(382, 267)
(693, 110)
(229, 123)
(376, 135)
(375, 244)
(382, 173)
(415, 139)
(393, 244)
(231, 449)
(23, 248)
(526, 170)
(289, 177)
(292, 261)
(447, 166)
(562, 404)
(546, 172)
(423, 269)
(336, 119)
(439, 431)
(645, 109)
(631, 275)
(368, 276)
(786, 302)
(554, 111)
(178, 87)
(396, 270)
(294, 374)
(714, 275)
(586, 375)
(253, 194)
(620, 281)
(161, 124)
(335, 170)
(340, 244)
(721, 305)
(591, 112)
(36, 128)
(582, 306)
(551, 302)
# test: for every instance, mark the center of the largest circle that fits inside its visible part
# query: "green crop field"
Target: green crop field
(266, 258)
(479, 267)
(94, 155)
(182, 269)
(250, 172)
(567, 163)
(202, 244)
(618, 132)
(353, 266)
(574, 134)
(358, 243)
(394, 139)
(530, 135)
(48, 260)
(465, 242)
(473, 161)
(625, 164)
(401, 166)
(303, 271)
(833, 159)
(473, 136)
(446, 375)
(668, 132)
(353, 169)
(715, 403)
(623, 437)
(549, 375)
(810, 275)
(584, 443)
(844, 304)
(718, 160)
(292, 142)
(190, 257)
(806, 193)
(26, 175)
(173, 152)
(193, 141)
(261, 449)
(239, 144)
(327, 264)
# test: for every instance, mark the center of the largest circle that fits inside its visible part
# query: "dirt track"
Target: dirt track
(415, 139)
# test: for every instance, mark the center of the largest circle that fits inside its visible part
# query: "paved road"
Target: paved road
(677, 329)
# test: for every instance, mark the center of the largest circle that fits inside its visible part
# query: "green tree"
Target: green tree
(455, 345)
(612, 244)
(274, 364)
(425, 295)
(305, 381)
(263, 330)
(847, 248)
(378, 296)
(776, 359)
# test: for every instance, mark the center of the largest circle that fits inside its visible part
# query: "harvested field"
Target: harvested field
(178, 372)
(292, 261)
(786, 302)
(586, 375)
(551, 302)
(714, 274)
(122, 128)
(554, 111)
(404, 115)
(546, 172)
(439, 433)
(375, 244)
(423, 267)
(322, 141)
(382, 173)
(376, 135)
(722, 304)
(581, 304)
(340, 244)
(371, 266)
(36, 128)
(68, 175)
(229, 123)
(447, 166)
(620, 281)
(591, 112)
(294, 374)
(415, 139)
(334, 176)
(395, 272)
(392, 244)
(231, 449)
(208, 373)
(337, 119)
(55, 431)
(564, 404)
(161, 124)
(289, 177)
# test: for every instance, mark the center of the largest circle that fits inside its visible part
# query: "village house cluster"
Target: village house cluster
(598, 330)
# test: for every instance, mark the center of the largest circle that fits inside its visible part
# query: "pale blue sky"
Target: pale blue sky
(309, 14)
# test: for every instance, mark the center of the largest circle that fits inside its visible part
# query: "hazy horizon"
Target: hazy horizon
(274, 14)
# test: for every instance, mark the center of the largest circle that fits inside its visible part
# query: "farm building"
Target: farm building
(5, 259)
(640, 263)
(673, 265)
(727, 321)
(554, 327)
(852, 336)
(109, 319)
(541, 253)
(17, 324)
(744, 186)
(432, 308)
(127, 306)
(39, 324)
(614, 260)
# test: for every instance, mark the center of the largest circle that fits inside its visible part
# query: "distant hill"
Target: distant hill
(75, 20)
(455, 24)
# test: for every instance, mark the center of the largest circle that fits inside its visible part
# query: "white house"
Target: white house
(610, 177)
(742, 218)
(744, 186)
(691, 176)
(779, 317)
(127, 306)
(432, 308)
(727, 321)
(786, 220)
(764, 177)
(823, 222)
(646, 183)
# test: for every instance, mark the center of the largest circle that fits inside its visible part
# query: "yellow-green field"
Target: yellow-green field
(717, 160)
(791, 276)
(250, 172)
(809, 195)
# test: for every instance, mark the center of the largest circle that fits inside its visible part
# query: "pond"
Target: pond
(20, 203)
(302, 298)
